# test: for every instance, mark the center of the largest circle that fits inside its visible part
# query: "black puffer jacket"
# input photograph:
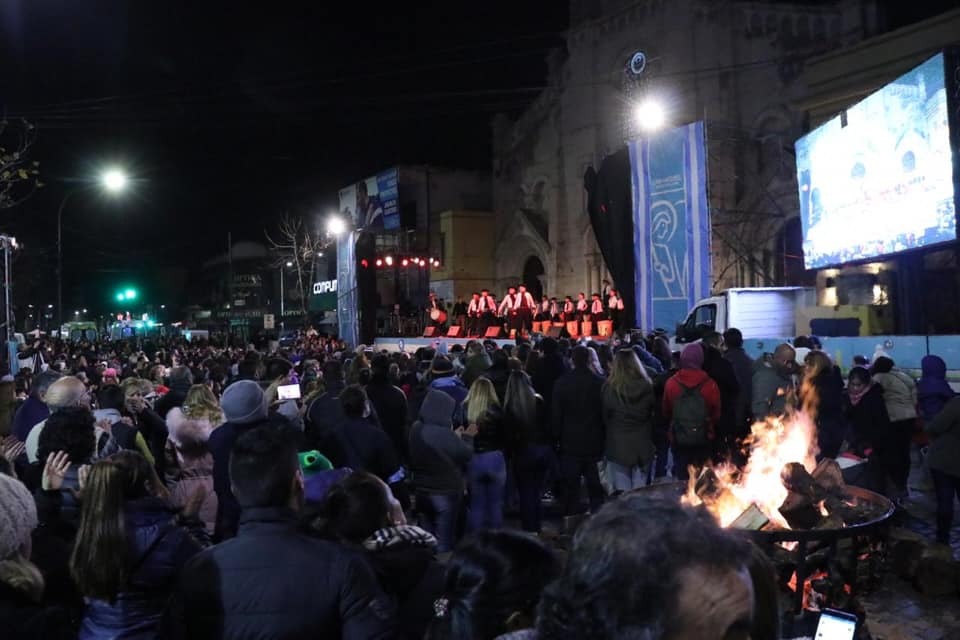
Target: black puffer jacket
(157, 550)
(577, 413)
(391, 406)
(23, 619)
(273, 581)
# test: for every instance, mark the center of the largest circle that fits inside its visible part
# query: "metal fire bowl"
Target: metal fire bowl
(675, 490)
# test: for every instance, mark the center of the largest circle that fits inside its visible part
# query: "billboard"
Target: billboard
(671, 224)
(373, 203)
(878, 179)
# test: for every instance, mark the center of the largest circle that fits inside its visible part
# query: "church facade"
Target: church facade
(735, 65)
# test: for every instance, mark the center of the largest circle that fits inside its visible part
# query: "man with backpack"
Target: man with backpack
(691, 406)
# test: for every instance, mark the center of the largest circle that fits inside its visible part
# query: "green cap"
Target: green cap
(313, 461)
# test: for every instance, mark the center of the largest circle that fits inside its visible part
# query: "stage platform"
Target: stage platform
(441, 344)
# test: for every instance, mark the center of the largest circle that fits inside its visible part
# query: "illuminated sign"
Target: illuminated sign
(327, 286)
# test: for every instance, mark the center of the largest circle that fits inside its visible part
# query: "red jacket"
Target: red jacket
(691, 378)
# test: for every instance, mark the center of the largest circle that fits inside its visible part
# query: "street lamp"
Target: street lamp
(649, 115)
(113, 180)
(336, 225)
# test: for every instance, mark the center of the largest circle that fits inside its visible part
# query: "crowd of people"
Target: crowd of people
(180, 490)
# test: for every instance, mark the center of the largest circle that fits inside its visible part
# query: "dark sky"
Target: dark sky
(228, 116)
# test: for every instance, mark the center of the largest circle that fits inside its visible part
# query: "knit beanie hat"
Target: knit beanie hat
(691, 357)
(442, 367)
(244, 402)
(18, 515)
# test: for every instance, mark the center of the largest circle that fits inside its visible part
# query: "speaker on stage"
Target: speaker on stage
(429, 331)
(555, 331)
(454, 331)
(492, 332)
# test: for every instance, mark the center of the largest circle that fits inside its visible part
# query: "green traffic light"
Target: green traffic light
(119, 297)
(130, 294)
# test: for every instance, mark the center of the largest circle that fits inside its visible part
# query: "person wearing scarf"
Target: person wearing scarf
(870, 435)
(361, 512)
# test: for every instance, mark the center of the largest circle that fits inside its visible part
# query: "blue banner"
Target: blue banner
(347, 298)
(671, 217)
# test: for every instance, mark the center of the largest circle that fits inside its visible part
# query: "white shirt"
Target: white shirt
(568, 306)
(506, 305)
(596, 307)
(582, 305)
(488, 304)
(474, 306)
(615, 303)
(525, 296)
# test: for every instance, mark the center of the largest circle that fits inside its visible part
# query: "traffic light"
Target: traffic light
(126, 295)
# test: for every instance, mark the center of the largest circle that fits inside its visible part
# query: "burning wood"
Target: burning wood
(752, 519)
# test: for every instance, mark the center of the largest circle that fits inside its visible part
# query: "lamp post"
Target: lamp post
(112, 181)
(283, 291)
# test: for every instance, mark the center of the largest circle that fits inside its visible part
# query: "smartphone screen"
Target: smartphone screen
(288, 392)
(836, 625)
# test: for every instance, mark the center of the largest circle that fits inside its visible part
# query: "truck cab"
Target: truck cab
(702, 319)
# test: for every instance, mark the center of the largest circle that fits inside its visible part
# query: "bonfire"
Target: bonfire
(782, 485)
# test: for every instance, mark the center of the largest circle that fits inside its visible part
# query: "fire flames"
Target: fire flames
(772, 444)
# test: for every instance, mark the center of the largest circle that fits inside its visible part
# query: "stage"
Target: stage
(442, 344)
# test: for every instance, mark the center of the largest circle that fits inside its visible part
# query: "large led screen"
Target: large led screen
(878, 179)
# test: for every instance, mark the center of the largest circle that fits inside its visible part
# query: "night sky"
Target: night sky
(228, 116)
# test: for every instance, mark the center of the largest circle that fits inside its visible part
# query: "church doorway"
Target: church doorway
(533, 273)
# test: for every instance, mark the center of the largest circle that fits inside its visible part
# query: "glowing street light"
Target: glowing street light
(289, 264)
(649, 115)
(114, 180)
(336, 225)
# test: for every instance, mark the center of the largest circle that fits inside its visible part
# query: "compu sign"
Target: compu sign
(327, 286)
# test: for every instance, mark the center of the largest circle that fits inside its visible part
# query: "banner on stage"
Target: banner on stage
(671, 227)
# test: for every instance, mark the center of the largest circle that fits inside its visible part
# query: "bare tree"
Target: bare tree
(19, 176)
(293, 242)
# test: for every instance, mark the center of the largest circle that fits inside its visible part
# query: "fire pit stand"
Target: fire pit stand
(807, 540)
(873, 528)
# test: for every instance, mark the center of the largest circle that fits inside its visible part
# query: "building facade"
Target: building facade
(735, 65)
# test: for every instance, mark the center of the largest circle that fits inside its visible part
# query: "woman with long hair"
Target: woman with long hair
(530, 446)
(129, 548)
(487, 473)
(821, 395)
(201, 403)
(189, 463)
(628, 402)
(493, 586)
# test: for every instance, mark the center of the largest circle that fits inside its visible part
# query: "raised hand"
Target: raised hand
(54, 471)
(11, 448)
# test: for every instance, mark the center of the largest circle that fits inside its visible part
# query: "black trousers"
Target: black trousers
(572, 468)
(946, 486)
(524, 320)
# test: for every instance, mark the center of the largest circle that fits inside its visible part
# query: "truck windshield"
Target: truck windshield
(702, 319)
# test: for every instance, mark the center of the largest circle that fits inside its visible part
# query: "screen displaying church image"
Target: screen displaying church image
(878, 179)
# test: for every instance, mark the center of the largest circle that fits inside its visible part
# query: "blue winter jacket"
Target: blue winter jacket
(157, 548)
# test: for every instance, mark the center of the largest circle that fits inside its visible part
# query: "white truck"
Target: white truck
(759, 312)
